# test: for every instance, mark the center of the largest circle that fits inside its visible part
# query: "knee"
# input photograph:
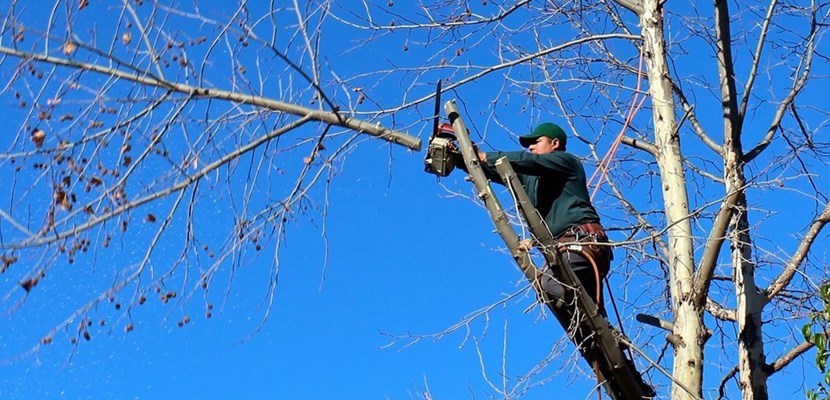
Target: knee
(553, 290)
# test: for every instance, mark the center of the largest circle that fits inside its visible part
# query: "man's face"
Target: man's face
(544, 145)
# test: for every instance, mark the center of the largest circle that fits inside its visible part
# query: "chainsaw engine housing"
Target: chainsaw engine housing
(439, 158)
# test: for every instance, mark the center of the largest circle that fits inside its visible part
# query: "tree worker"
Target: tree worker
(555, 182)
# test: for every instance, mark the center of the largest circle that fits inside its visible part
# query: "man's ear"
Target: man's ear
(556, 144)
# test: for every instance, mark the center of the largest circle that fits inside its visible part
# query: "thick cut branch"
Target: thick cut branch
(719, 312)
(639, 144)
(631, 5)
(486, 195)
(332, 118)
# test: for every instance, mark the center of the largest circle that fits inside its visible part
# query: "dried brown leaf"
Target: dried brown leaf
(6, 262)
(38, 136)
(69, 48)
(28, 284)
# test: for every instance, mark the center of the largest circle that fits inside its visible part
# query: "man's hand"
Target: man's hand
(482, 156)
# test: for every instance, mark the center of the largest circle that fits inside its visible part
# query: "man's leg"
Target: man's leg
(584, 271)
(563, 298)
(566, 312)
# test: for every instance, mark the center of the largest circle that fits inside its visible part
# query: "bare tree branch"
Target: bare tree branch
(632, 6)
(52, 236)
(726, 72)
(798, 85)
(697, 128)
(800, 254)
(788, 358)
(756, 59)
(513, 63)
(725, 380)
(434, 24)
(714, 243)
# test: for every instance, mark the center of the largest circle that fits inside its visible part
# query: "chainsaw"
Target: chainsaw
(439, 159)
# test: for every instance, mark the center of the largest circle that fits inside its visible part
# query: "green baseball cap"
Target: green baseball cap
(547, 129)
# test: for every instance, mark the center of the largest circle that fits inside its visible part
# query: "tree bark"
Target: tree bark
(752, 378)
(688, 314)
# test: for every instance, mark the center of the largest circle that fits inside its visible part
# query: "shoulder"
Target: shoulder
(563, 158)
(563, 155)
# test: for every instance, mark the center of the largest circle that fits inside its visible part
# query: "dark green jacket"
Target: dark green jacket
(555, 183)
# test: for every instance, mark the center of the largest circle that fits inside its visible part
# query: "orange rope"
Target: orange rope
(636, 103)
(597, 276)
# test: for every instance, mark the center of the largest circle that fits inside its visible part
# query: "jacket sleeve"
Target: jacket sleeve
(525, 163)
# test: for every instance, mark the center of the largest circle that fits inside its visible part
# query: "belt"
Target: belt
(583, 230)
(590, 232)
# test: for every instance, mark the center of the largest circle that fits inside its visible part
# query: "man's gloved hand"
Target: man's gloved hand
(482, 156)
(458, 159)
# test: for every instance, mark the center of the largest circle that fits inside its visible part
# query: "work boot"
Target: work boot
(648, 391)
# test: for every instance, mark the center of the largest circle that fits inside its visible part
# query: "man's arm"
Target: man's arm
(531, 164)
(489, 169)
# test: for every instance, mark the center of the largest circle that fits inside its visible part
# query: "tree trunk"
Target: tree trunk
(688, 316)
(751, 359)
(750, 302)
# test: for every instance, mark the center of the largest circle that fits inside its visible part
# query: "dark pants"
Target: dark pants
(563, 298)
(584, 270)
(564, 306)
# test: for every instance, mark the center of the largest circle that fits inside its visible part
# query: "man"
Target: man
(555, 182)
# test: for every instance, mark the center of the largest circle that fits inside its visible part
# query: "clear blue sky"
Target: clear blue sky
(405, 258)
